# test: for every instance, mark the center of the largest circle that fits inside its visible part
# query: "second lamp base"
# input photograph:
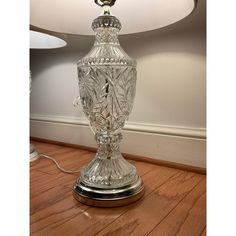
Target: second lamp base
(108, 197)
(34, 155)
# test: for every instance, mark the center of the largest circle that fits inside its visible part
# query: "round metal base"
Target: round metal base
(108, 197)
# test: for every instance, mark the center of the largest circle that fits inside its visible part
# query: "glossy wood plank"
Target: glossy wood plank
(50, 182)
(48, 197)
(189, 215)
(147, 213)
(99, 218)
(46, 176)
(68, 159)
(36, 176)
(55, 215)
(171, 196)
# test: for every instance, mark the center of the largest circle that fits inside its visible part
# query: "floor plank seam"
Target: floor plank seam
(69, 218)
(190, 209)
(43, 172)
(202, 231)
(43, 207)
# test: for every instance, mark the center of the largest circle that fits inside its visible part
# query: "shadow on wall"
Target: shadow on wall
(156, 43)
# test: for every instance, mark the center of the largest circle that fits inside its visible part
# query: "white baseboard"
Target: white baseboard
(181, 145)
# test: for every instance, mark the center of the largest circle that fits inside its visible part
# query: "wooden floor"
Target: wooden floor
(174, 202)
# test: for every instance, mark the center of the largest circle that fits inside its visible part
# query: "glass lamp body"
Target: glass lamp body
(107, 82)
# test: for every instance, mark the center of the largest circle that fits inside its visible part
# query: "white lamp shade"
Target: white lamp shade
(40, 40)
(76, 16)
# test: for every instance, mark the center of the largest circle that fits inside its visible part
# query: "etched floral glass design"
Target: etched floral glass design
(107, 80)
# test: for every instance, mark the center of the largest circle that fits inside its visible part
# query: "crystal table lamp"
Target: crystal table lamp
(107, 80)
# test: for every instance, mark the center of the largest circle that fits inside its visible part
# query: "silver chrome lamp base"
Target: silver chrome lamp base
(108, 197)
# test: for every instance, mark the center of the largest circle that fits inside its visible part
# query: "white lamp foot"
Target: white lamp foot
(34, 155)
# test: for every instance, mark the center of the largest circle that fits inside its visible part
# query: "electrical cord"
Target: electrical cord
(58, 166)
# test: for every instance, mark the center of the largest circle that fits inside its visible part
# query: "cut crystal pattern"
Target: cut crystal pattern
(107, 96)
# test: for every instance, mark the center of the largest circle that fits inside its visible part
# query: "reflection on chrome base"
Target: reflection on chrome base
(108, 197)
